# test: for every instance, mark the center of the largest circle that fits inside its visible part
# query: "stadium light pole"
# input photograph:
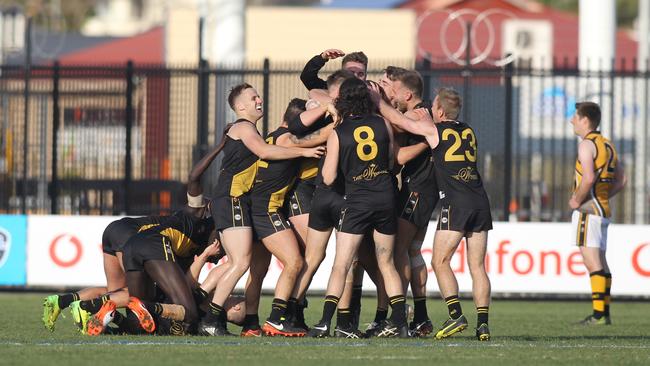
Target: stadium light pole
(597, 47)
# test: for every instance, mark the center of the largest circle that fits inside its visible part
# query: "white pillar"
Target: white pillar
(225, 32)
(597, 34)
(641, 146)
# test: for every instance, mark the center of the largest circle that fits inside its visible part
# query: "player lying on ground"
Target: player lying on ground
(90, 300)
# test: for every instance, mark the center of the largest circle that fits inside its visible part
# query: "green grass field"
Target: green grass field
(524, 332)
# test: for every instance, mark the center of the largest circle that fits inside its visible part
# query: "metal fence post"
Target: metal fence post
(26, 93)
(467, 74)
(425, 72)
(56, 121)
(507, 138)
(129, 128)
(265, 98)
(202, 111)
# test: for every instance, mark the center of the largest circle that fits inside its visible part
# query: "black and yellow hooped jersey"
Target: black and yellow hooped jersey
(364, 160)
(605, 162)
(456, 171)
(188, 234)
(146, 222)
(308, 168)
(274, 179)
(239, 167)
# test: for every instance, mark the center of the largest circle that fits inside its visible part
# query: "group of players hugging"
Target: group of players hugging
(369, 159)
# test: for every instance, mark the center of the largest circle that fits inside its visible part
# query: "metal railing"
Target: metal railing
(121, 139)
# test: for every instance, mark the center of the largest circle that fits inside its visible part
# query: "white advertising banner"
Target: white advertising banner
(65, 250)
(532, 258)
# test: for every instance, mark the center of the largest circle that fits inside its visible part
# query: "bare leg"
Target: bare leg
(300, 227)
(210, 282)
(419, 273)
(314, 255)
(284, 246)
(444, 247)
(405, 233)
(476, 248)
(259, 267)
(238, 245)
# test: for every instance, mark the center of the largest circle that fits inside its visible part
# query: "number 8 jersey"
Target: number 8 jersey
(455, 160)
(364, 155)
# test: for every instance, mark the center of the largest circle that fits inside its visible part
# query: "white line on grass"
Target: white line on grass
(296, 343)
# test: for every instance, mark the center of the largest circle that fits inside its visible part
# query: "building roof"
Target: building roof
(48, 46)
(361, 4)
(433, 13)
(143, 48)
(76, 49)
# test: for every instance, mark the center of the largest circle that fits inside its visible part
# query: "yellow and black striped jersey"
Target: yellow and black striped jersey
(605, 162)
(239, 167)
(188, 234)
(274, 179)
(308, 168)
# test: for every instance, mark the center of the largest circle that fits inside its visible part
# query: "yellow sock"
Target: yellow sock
(608, 288)
(598, 287)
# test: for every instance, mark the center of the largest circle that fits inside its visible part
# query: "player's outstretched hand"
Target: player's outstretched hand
(314, 152)
(375, 91)
(212, 249)
(331, 109)
(421, 114)
(331, 54)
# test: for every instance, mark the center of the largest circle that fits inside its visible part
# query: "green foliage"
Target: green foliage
(626, 10)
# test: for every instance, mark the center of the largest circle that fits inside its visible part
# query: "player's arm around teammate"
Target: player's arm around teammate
(462, 215)
(365, 156)
(232, 213)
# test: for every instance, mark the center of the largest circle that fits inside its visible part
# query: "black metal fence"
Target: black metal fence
(121, 139)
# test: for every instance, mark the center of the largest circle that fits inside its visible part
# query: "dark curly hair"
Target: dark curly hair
(354, 99)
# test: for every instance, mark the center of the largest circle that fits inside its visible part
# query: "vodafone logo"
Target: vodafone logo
(640, 253)
(66, 250)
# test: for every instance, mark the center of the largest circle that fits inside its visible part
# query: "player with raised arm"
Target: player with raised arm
(418, 194)
(231, 207)
(361, 149)
(465, 208)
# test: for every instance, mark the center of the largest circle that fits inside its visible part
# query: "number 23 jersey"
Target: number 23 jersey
(455, 158)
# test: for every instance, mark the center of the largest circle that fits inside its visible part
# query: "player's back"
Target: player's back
(605, 163)
(364, 160)
(456, 171)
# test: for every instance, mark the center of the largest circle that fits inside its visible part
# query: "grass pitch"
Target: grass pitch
(523, 332)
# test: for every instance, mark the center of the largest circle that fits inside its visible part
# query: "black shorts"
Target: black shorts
(359, 221)
(464, 219)
(230, 212)
(117, 233)
(325, 209)
(416, 208)
(268, 223)
(147, 246)
(299, 198)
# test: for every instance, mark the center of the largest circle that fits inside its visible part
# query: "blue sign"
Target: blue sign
(13, 250)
